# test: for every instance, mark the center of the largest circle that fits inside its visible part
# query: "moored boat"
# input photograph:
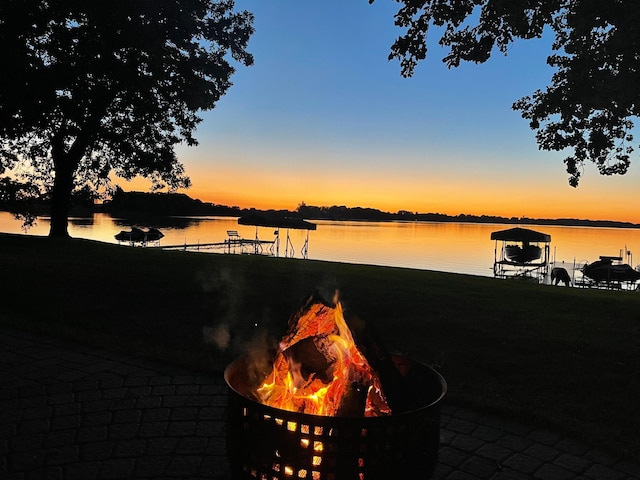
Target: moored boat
(137, 235)
(605, 270)
(522, 254)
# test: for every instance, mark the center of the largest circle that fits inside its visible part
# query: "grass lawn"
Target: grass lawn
(564, 358)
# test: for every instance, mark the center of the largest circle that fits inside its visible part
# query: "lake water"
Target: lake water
(448, 247)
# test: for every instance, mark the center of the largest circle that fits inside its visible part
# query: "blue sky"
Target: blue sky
(323, 117)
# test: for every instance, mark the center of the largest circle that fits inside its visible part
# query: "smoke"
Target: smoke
(236, 326)
(223, 290)
(328, 289)
(218, 336)
(224, 282)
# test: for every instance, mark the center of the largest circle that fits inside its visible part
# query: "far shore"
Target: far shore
(146, 204)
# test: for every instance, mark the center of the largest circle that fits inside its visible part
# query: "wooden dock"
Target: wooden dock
(233, 244)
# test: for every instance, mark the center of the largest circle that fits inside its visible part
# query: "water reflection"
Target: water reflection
(159, 222)
(449, 247)
(81, 221)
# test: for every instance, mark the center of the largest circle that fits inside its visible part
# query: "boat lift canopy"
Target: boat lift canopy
(279, 222)
(276, 222)
(518, 234)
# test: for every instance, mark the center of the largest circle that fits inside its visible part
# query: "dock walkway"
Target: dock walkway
(234, 243)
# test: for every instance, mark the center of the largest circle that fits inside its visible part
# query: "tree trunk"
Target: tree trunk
(60, 201)
(61, 196)
(65, 163)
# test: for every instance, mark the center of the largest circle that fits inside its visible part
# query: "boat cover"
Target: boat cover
(518, 234)
(276, 222)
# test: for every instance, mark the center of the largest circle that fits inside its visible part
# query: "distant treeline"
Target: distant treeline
(137, 203)
(125, 204)
(144, 204)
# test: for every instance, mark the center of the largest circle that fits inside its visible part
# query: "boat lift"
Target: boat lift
(279, 223)
(522, 253)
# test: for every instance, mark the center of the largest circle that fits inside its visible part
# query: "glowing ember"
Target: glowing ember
(319, 369)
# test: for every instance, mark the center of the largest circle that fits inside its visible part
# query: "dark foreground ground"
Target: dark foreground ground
(71, 411)
(563, 359)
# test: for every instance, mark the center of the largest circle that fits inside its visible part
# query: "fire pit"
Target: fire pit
(269, 443)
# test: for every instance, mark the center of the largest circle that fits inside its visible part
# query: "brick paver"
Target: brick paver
(70, 411)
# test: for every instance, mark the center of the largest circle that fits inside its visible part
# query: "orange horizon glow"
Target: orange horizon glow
(569, 203)
(597, 198)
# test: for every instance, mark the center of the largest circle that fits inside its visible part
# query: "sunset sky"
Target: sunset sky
(323, 117)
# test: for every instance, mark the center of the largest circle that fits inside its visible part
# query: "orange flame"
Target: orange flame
(286, 387)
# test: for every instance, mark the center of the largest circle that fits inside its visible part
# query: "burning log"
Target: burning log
(319, 369)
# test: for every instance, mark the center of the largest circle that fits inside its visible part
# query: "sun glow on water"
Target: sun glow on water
(448, 247)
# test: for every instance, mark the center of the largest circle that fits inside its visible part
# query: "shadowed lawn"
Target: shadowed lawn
(564, 358)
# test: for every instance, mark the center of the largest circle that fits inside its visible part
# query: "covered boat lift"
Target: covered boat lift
(278, 223)
(522, 253)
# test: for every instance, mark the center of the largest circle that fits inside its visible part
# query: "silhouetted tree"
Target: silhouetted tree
(22, 199)
(91, 88)
(594, 93)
